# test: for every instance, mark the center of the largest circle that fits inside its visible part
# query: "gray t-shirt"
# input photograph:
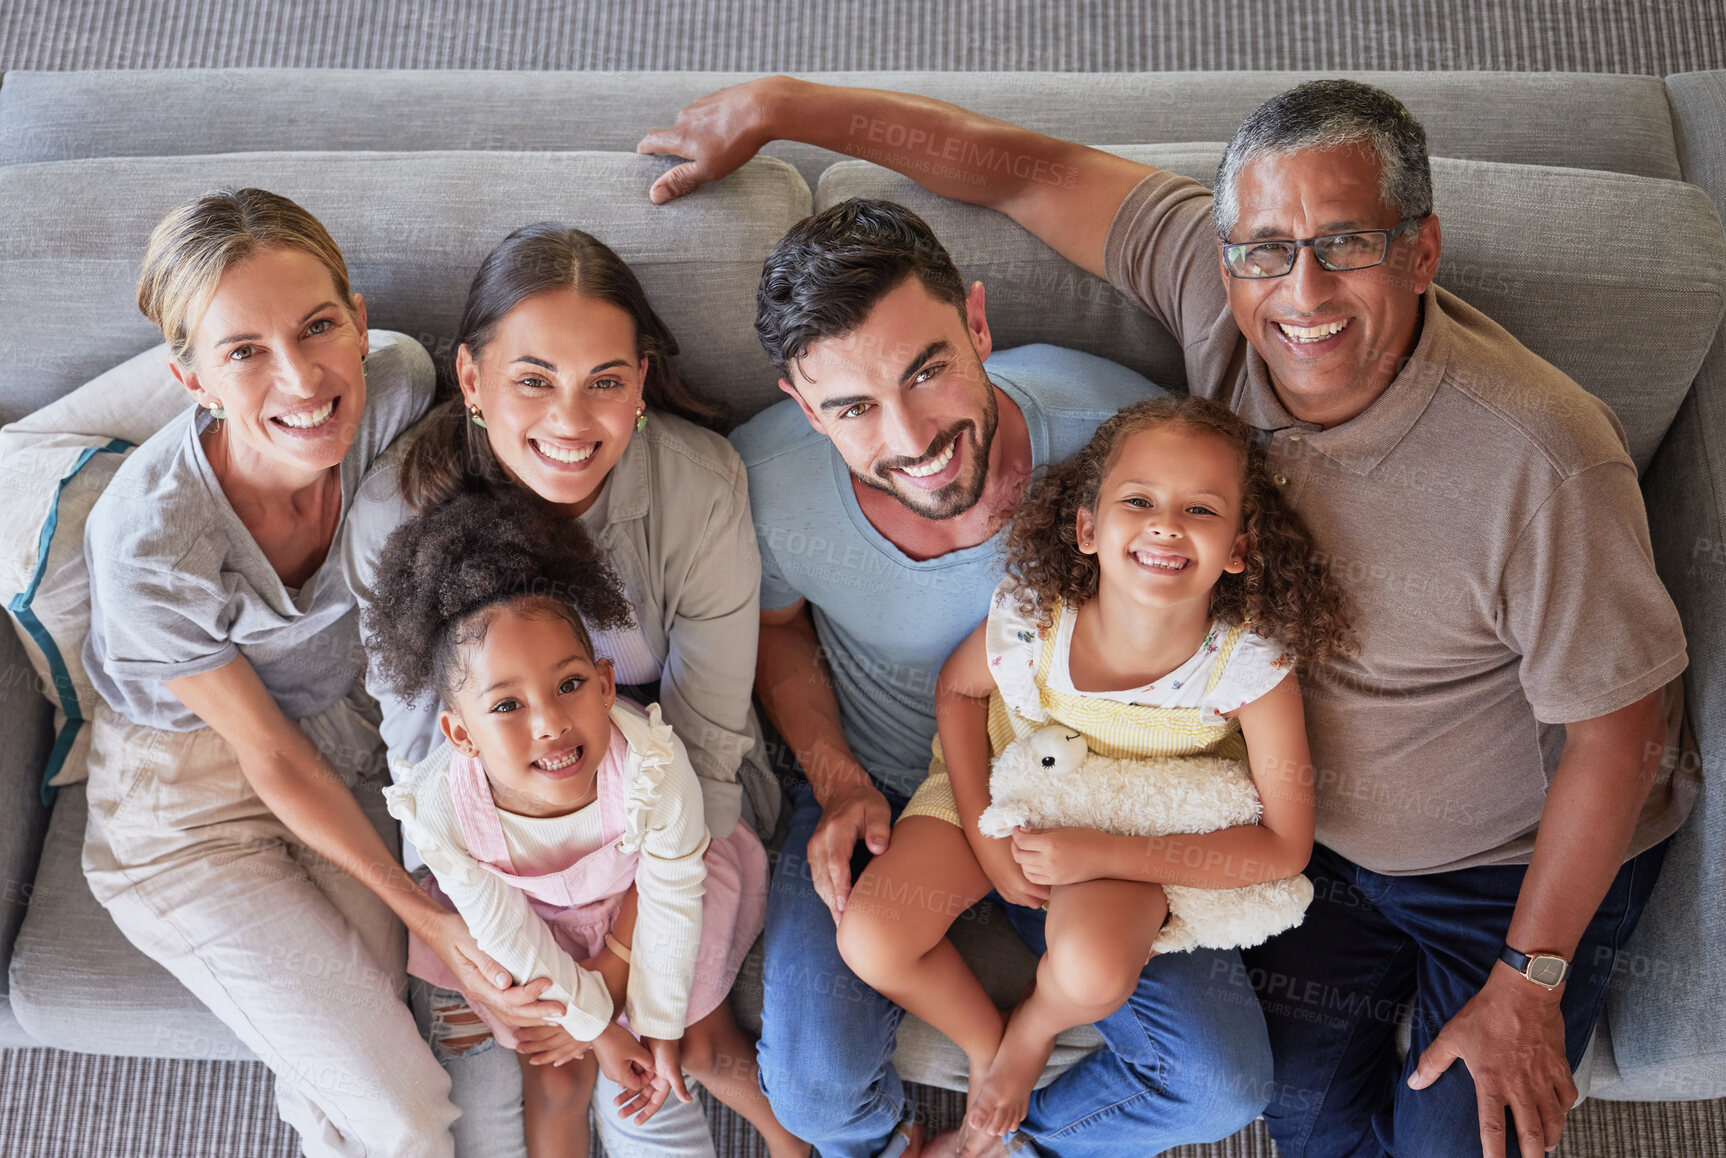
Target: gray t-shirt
(888, 622)
(179, 587)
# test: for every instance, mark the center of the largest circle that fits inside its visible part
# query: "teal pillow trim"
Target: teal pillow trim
(20, 607)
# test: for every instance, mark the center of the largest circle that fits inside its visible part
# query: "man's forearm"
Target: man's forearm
(796, 690)
(1603, 778)
(947, 149)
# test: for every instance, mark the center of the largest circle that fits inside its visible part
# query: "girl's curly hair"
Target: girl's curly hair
(1285, 591)
(441, 570)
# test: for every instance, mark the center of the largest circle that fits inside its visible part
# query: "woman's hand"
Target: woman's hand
(549, 1045)
(1060, 856)
(484, 980)
(668, 1061)
(996, 857)
(628, 1063)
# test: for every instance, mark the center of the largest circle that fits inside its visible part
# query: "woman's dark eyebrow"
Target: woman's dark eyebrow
(611, 365)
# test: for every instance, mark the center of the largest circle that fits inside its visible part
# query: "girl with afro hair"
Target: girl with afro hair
(564, 823)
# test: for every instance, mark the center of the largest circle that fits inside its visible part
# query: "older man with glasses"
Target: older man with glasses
(1493, 804)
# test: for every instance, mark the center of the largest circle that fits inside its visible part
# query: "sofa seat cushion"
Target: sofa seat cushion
(1579, 265)
(78, 984)
(413, 228)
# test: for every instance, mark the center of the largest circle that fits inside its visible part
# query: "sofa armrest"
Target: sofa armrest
(28, 724)
(1667, 1003)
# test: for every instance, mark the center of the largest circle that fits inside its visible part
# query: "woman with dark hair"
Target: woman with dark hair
(562, 384)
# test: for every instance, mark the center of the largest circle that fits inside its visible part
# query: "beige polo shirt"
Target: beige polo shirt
(1483, 517)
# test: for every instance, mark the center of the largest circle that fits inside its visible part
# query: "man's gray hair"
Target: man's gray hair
(1326, 114)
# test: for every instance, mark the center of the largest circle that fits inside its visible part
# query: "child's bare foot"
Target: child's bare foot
(965, 1143)
(977, 1071)
(1000, 1103)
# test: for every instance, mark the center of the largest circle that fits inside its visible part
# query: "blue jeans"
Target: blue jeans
(485, 1083)
(1186, 1058)
(1375, 947)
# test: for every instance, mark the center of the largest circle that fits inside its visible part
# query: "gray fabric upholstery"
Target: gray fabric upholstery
(1567, 260)
(29, 726)
(12, 1035)
(78, 984)
(1669, 1033)
(50, 116)
(413, 227)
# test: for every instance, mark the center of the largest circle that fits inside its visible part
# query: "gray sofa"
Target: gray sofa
(1571, 213)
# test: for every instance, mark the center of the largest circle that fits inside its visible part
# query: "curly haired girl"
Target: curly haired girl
(1159, 595)
(564, 824)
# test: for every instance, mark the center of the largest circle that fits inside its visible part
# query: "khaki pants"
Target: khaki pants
(301, 961)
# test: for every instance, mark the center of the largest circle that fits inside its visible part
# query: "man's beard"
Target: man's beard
(958, 496)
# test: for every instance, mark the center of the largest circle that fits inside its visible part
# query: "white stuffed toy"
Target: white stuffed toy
(1051, 779)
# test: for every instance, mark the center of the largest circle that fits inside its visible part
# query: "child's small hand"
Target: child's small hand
(549, 1045)
(628, 1063)
(999, 865)
(668, 1061)
(1059, 856)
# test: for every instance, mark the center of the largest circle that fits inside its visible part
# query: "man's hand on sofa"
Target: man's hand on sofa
(718, 133)
(1510, 1035)
(855, 812)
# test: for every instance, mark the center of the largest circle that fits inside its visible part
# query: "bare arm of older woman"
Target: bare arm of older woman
(289, 775)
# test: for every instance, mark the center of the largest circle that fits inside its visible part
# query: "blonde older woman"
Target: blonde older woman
(225, 837)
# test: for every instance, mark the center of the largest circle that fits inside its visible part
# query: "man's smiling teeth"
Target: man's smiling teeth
(935, 465)
(1161, 562)
(562, 454)
(563, 761)
(308, 419)
(1311, 333)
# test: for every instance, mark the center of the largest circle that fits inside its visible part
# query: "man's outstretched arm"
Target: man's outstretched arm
(1066, 194)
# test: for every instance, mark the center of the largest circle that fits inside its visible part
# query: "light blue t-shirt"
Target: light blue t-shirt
(888, 622)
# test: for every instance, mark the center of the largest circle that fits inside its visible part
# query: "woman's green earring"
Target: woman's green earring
(217, 411)
(474, 414)
(640, 418)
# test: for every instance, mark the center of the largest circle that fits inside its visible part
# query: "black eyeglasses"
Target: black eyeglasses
(1337, 252)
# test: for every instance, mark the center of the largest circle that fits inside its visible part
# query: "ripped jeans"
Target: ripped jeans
(486, 1084)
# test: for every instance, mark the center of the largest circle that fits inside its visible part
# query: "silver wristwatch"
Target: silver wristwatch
(1544, 969)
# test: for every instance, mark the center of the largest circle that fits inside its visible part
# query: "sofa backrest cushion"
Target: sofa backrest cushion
(413, 227)
(1619, 281)
(1586, 121)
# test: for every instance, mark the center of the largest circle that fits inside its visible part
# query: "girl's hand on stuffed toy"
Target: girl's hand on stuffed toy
(1002, 868)
(1060, 856)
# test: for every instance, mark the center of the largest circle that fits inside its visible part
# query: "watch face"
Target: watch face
(1547, 971)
